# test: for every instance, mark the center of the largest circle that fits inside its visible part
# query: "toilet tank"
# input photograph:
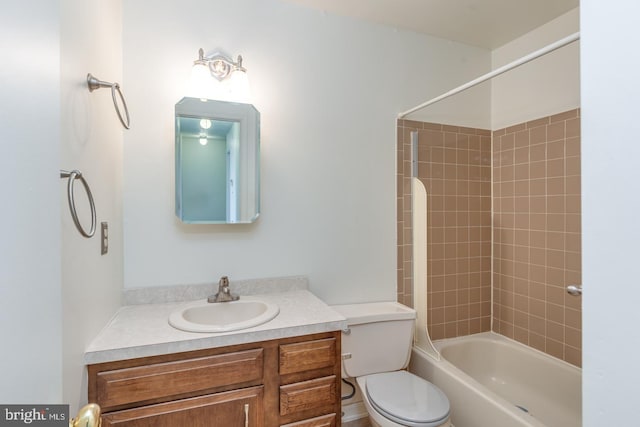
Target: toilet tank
(378, 339)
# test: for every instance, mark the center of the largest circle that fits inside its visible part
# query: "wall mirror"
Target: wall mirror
(217, 162)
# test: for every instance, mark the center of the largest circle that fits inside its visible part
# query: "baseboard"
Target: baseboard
(353, 412)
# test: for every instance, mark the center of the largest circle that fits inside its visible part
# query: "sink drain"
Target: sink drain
(522, 408)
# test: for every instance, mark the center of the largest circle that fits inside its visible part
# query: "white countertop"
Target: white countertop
(143, 330)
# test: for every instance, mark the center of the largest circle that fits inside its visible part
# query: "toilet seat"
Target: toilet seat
(407, 399)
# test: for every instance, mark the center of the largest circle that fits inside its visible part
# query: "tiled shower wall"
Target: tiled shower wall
(454, 164)
(537, 234)
(536, 230)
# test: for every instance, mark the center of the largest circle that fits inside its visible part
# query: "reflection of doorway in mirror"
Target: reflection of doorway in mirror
(233, 172)
(209, 181)
(203, 182)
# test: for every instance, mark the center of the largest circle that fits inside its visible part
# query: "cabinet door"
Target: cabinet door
(238, 408)
(118, 388)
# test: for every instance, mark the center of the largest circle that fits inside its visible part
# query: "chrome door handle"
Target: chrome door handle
(574, 290)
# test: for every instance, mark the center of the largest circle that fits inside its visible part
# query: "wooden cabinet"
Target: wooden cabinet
(306, 395)
(292, 382)
(309, 381)
(307, 355)
(238, 408)
(118, 387)
(322, 421)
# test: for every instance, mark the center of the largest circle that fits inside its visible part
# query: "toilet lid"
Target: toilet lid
(407, 399)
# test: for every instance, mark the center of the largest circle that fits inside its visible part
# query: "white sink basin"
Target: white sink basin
(223, 316)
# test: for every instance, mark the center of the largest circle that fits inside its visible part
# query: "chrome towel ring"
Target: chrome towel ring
(73, 175)
(93, 83)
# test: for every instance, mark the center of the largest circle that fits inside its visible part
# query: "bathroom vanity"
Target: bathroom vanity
(283, 373)
(292, 382)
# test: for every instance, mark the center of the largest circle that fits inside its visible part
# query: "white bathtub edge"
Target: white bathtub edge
(481, 407)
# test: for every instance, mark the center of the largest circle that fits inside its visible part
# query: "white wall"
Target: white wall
(545, 86)
(56, 290)
(30, 310)
(470, 108)
(328, 89)
(610, 204)
(91, 41)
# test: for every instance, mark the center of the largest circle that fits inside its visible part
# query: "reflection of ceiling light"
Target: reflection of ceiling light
(203, 140)
(205, 124)
(218, 77)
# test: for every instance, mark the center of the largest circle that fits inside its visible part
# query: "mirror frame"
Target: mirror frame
(248, 118)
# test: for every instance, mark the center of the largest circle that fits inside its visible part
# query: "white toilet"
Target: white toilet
(375, 350)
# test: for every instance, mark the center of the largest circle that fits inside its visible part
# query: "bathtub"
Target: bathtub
(492, 381)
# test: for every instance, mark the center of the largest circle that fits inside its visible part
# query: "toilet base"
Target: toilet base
(376, 419)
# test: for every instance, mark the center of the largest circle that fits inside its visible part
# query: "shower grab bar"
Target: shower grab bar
(574, 290)
(73, 175)
(94, 83)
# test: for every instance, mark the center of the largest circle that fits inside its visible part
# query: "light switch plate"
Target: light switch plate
(104, 237)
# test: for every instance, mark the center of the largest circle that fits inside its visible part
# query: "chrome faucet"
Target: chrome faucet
(224, 293)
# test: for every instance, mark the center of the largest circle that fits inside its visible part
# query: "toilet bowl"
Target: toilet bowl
(376, 348)
(399, 398)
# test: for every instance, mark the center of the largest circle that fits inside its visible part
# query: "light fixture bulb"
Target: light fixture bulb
(200, 81)
(203, 140)
(205, 123)
(239, 90)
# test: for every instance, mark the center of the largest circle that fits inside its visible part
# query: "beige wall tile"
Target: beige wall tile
(535, 226)
(573, 355)
(556, 149)
(571, 114)
(538, 122)
(573, 127)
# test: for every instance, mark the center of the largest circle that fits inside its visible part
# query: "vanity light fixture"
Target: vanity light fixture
(218, 77)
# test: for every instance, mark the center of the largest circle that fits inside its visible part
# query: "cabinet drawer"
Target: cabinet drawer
(307, 395)
(162, 380)
(305, 356)
(237, 408)
(323, 421)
